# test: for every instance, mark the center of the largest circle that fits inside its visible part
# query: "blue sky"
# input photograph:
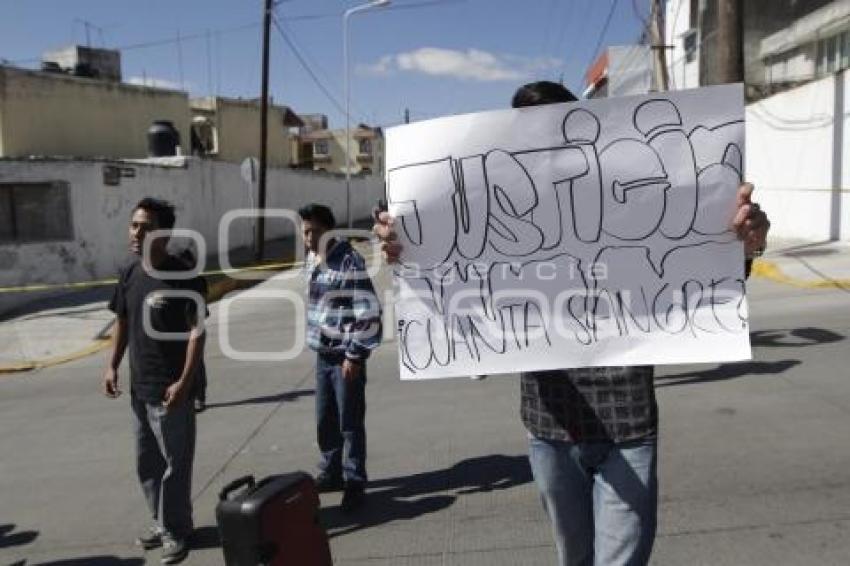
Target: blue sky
(435, 57)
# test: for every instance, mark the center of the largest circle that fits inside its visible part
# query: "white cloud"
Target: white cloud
(383, 67)
(472, 64)
(154, 82)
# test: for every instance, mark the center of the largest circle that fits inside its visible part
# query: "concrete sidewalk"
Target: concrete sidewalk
(60, 335)
(53, 337)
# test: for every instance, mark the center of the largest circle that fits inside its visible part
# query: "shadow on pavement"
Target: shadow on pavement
(809, 252)
(205, 537)
(727, 371)
(794, 337)
(288, 396)
(96, 561)
(8, 536)
(407, 497)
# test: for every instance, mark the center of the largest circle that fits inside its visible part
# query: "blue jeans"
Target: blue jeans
(601, 498)
(340, 420)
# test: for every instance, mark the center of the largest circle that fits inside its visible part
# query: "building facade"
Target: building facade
(620, 70)
(74, 161)
(65, 220)
(54, 114)
(329, 149)
(795, 60)
(228, 129)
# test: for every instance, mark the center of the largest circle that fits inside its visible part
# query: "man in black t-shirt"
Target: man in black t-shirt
(160, 316)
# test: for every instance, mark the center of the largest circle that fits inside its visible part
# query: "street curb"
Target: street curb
(93, 348)
(217, 290)
(767, 269)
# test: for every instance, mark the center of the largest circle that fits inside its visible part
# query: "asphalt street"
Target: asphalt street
(754, 465)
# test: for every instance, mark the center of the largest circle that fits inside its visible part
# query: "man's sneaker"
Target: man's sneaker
(353, 497)
(326, 483)
(151, 539)
(174, 550)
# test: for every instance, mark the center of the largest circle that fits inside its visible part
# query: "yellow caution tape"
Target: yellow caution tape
(101, 282)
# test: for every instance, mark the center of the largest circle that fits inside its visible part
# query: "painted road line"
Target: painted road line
(770, 270)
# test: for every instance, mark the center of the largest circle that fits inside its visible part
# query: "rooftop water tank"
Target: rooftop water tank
(163, 139)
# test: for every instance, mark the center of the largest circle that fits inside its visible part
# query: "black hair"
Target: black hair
(161, 209)
(318, 213)
(541, 92)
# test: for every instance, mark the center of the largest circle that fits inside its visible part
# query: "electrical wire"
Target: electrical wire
(333, 100)
(168, 41)
(603, 32)
(578, 39)
(320, 71)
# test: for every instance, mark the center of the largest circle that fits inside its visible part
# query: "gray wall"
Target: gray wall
(203, 191)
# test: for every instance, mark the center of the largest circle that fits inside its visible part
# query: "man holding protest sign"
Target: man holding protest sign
(593, 431)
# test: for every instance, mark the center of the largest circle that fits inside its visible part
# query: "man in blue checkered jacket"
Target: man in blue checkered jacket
(343, 327)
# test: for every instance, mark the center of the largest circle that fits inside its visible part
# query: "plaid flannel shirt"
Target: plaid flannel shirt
(594, 404)
(343, 312)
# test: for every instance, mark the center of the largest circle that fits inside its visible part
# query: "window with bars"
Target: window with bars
(689, 44)
(35, 212)
(320, 147)
(833, 53)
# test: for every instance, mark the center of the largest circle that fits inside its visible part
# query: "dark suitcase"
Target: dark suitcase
(274, 522)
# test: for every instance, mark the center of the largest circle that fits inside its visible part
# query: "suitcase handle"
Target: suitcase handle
(234, 485)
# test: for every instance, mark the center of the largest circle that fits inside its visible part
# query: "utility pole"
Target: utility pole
(180, 60)
(260, 237)
(208, 38)
(730, 42)
(658, 46)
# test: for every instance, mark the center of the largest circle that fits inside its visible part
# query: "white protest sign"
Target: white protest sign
(595, 233)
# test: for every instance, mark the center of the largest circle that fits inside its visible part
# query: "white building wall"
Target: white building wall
(682, 74)
(795, 65)
(202, 191)
(796, 167)
(629, 70)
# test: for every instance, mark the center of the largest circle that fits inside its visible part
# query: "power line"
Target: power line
(183, 38)
(640, 16)
(217, 62)
(252, 25)
(209, 64)
(190, 37)
(578, 39)
(548, 23)
(603, 32)
(308, 57)
(166, 41)
(317, 66)
(180, 61)
(307, 68)
(568, 20)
